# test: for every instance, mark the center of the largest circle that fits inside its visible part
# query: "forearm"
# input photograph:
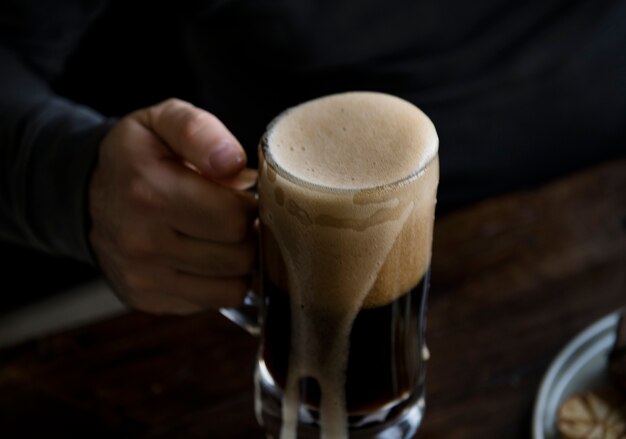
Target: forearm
(48, 146)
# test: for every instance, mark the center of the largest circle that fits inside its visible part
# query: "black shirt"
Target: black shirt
(520, 92)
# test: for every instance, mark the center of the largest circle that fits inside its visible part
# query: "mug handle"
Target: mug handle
(247, 315)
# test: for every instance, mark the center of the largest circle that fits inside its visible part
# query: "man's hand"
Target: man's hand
(172, 229)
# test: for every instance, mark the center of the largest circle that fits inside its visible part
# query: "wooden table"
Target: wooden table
(514, 278)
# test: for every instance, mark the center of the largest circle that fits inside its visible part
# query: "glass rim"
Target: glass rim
(269, 159)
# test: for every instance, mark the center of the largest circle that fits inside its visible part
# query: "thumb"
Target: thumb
(197, 136)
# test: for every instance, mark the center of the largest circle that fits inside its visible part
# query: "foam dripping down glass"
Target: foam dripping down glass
(347, 193)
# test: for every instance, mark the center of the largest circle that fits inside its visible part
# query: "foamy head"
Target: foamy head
(353, 140)
(348, 193)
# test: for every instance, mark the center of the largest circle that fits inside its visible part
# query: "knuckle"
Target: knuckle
(170, 102)
(134, 244)
(138, 190)
(140, 193)
(191, 124)
(137, 285)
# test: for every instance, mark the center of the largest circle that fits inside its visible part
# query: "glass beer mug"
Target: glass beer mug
(347, 193)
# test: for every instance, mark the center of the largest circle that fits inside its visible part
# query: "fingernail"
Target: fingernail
(245, 179)
(226, 159)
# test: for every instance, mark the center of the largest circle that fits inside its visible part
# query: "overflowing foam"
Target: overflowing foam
(353, 140)
(349, 205)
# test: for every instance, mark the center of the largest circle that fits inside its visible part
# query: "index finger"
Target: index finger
(197, 136)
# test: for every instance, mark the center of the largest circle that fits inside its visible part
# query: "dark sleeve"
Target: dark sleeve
(48, 145)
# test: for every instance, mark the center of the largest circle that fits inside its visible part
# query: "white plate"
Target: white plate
(579, 367)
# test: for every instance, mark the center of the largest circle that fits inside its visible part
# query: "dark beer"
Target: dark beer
(385, 355)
